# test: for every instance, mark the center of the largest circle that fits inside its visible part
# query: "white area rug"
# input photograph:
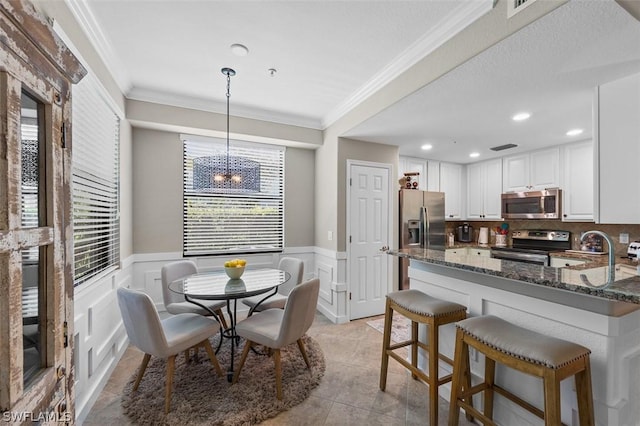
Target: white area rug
(400, 328)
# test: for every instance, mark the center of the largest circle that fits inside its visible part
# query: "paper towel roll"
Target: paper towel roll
(483, 236)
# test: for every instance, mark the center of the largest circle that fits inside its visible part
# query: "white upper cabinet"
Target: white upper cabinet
(414, 165)
(429, 179)
(531, 171)
(484, 186)
(433, 176)
(617, 139)
(451, 185)
(577, 181)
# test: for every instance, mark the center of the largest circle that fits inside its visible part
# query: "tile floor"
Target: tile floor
(348, 394)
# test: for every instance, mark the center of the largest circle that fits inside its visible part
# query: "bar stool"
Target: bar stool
(419, 308)
(532, 353)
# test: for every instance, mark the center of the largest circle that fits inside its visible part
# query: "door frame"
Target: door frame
(390, 229)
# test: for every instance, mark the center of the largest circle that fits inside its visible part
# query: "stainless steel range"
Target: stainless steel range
(533, 246)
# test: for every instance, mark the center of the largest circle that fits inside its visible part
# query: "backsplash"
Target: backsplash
(576, 228)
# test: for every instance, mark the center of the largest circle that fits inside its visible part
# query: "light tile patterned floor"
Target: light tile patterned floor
(348, 394)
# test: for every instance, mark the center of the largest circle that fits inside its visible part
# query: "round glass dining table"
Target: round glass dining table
(216, 285)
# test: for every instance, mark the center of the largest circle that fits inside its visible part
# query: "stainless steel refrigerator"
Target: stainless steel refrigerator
(421, 225)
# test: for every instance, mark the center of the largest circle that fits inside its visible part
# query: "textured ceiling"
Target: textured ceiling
(550, 69)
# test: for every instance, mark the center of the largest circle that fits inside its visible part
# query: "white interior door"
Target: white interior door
(369, 230)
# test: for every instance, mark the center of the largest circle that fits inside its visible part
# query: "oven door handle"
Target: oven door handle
(526, 257)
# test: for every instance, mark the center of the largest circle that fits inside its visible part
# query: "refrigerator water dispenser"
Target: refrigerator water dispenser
(414, 231)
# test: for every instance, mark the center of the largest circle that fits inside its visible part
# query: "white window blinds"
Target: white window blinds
(96, 221)
(227, 221)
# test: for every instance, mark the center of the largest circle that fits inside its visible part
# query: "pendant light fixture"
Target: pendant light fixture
(226, 173)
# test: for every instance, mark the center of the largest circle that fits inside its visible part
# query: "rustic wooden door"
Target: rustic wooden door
(36, 286)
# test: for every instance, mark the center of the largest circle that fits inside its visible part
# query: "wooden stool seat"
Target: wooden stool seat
(527, 351)
(419, 308)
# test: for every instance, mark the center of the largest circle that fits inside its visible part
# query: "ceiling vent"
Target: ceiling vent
(503, 147)
(515, 6)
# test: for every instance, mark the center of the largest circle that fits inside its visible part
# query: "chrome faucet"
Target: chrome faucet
(612, 271)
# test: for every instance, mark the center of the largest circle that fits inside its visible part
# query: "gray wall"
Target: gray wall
(157, 193)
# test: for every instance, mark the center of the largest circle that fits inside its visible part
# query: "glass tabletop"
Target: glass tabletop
(216, 285)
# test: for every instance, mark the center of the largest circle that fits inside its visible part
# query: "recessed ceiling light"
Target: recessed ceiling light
(474, 154)
(427, 146)
(521, 116)
(574, 132)
(239, 49)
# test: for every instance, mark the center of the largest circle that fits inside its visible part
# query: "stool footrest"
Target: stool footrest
(409, 343)
(408, 366)
(486, 421)
(502, 391)
(445, 379)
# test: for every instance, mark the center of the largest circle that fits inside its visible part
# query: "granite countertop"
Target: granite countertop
(568, 278)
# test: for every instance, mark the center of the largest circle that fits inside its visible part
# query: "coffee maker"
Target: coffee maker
(465, 233)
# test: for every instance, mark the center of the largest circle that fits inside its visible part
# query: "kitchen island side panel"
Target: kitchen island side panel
(614, 342)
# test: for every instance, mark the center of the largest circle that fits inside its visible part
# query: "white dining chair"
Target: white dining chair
(175, 303)
(164, 338)
(277, 328)
(295, 267)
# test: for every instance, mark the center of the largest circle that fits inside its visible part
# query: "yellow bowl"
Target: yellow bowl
(234, 272)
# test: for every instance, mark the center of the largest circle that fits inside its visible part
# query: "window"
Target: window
(96, 212)
(226, 221)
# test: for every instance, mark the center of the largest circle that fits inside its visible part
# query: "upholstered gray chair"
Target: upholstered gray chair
(175, 303)
(277, 328)
(295, 267)
(164, 338)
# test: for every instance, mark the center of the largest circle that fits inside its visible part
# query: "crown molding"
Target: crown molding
(450, 25)
(90, 27)
(201, 104)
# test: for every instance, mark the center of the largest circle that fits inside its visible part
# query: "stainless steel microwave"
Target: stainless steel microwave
(532, 204)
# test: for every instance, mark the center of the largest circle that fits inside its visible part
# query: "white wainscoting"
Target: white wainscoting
(99, 336)
(330, 268)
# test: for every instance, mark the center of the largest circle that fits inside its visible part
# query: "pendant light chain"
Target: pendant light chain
(228, 96)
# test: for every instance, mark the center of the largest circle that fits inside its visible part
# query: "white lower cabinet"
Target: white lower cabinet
(456, 251)
(561, 262)
(478, 252)
(626, 271)
(468, 251)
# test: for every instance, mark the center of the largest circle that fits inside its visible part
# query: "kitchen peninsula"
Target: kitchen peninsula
(552, 301)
